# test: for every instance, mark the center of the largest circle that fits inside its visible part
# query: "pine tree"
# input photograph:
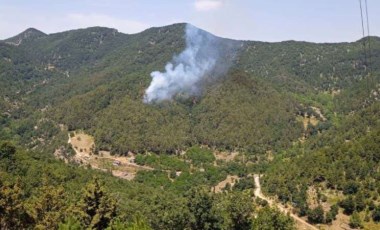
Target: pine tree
(48, 207)
(12, 209)
(96, 208)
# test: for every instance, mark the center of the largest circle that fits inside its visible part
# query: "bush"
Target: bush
(351, 188)
(245, 183)
(330, 216)
(348, 205)
(376, 214)
(355, 221)
(200, 156)
(316, 216)
(7, 150)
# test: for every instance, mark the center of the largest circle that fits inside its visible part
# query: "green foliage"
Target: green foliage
(376, 214)
(331, 214)
(244, 183)
(168, 213)
(200, 204)
(155, 178)
(348, 205)
(96, 209)
(316, 216)
(351, 187)
(342, 158)
(162, 162)
(13, 213)
(355, 221)
(137, 224)
(200, 156)
(268, 219)
(70, 223)
(239, 209)
(47, 207)
(7, 150)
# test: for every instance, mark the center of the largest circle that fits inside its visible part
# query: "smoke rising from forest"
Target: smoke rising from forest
(185, 73)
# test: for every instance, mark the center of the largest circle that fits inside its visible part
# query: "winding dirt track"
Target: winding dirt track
(301, 223)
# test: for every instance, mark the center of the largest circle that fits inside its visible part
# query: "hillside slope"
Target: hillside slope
(94, 79)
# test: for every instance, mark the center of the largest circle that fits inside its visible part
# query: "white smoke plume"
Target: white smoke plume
(186, 72)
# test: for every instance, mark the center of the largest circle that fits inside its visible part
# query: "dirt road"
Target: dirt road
(301, 223)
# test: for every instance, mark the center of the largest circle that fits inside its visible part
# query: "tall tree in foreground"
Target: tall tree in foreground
(271, 219)
(239, 209)
(13, 213)
(48, 207)
(96, 208)
(200, 204)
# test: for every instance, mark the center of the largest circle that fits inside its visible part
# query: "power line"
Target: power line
(364, 39)
(369, 42)
(363, 32)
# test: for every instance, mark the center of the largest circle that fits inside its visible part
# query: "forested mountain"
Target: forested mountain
(305, 115)
(83, 77)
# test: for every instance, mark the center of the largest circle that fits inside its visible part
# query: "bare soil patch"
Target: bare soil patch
(120, 166)
(225, 156)
(229, 180)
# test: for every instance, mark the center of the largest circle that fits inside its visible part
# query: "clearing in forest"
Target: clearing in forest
(120, 166)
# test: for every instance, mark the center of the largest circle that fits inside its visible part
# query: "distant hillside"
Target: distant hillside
(94, 79)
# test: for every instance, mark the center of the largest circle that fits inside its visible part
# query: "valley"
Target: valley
(78, 126)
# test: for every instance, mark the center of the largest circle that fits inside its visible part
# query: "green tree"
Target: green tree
(96, 208)
(355, 221)
(138, 223)
(348, 205)
(168, 213)
(13, 214)
(272, 219)
(7, 150)
(330, 215)
(316, 215)
(48, 208)
(239, 209)
(329, 218)
(200, 204)
(376, 214)
(70, 223)
(360, 201)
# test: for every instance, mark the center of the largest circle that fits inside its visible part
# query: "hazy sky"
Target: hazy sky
(266, 20)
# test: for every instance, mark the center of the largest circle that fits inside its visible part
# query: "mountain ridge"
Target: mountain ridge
(28, 34)
(180, 24)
